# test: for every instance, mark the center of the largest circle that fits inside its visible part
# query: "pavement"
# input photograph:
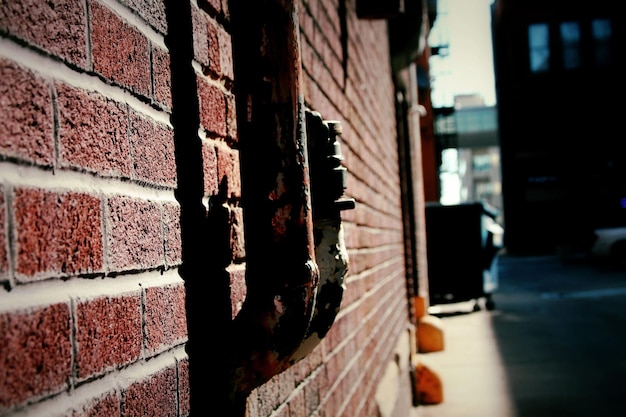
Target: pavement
(553, 346)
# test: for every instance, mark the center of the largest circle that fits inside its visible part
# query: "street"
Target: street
(553, 346)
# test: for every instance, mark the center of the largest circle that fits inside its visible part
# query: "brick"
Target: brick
(184, 397)
(107, 404)
(238, 288)
(209, 168)
(212, 108)
(120, 52)
(35, 353)
(152, 11)
(162, 77)
(200, 36)
(56, 26)
(237, 241)
(57, 233)
(231, 119)
(215, 63)
(155, 396)
(296, 406)
(26, 119)
(312, 395)
(152, 149)
(228, 170)
(93, 132)
(135, 239)
(108, 333)
(226, 55)
(165, 317)
(172, 234)
(4, 259)
(266, 400)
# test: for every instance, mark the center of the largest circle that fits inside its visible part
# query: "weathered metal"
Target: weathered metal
(281, 273)
(296, 259)
(328, 183)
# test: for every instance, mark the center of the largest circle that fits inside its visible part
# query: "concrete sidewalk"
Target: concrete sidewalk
(552, 347)
(473, 377)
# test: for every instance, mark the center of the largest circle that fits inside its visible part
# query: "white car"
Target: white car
(610, 243)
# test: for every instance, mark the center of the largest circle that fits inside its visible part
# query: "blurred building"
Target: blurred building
(465, 130)
(469, 153)
(559, 86)
(478, 150)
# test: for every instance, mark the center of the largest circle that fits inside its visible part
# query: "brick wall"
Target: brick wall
(93, 318)
(92, 313)
(352, 82)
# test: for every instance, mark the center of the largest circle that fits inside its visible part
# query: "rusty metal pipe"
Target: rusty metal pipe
(286, 239)
(281, 273)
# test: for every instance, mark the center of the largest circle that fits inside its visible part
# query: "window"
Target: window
(539, 47)
(570, 42)
(481, 163)
(601, 32)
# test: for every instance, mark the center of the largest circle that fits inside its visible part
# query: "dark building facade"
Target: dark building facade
(559, 82)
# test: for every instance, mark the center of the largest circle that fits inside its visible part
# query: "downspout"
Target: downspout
(279, 322)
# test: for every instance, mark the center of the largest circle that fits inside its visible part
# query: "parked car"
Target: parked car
(609, 243)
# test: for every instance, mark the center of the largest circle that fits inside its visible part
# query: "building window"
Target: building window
(539, 47)
(481, 163)
(601, 32)
(570, 41)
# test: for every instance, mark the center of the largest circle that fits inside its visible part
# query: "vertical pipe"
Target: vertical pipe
(281, 273)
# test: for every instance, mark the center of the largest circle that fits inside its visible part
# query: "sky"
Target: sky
(468, 66)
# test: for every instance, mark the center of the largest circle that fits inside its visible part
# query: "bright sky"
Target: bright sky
(468, 67)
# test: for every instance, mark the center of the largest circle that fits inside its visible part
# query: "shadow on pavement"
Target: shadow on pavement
(552, 347)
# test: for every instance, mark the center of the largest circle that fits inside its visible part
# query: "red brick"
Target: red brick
(93, 132)
(237, 242)
(312, 393)
(155, 396)
(105, 405)
(172, 234)
(296, 406)
(152, 11)
(120, 52)
(267, 399)
(57, 26)
(162, 76)
(238, 289)
(4, 260)
(25, 115)
(165, 317)
(212, 108)
(35, 353)
(152, 149)
(200, 36)
(226, 55)
(184, 407)
(108, 333)
(213, 36)
(135, 238)
(209, 162)
(228, 168)
(231, 119)
(57, 232)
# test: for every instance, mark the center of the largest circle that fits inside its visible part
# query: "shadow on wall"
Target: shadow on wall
(205, 238)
